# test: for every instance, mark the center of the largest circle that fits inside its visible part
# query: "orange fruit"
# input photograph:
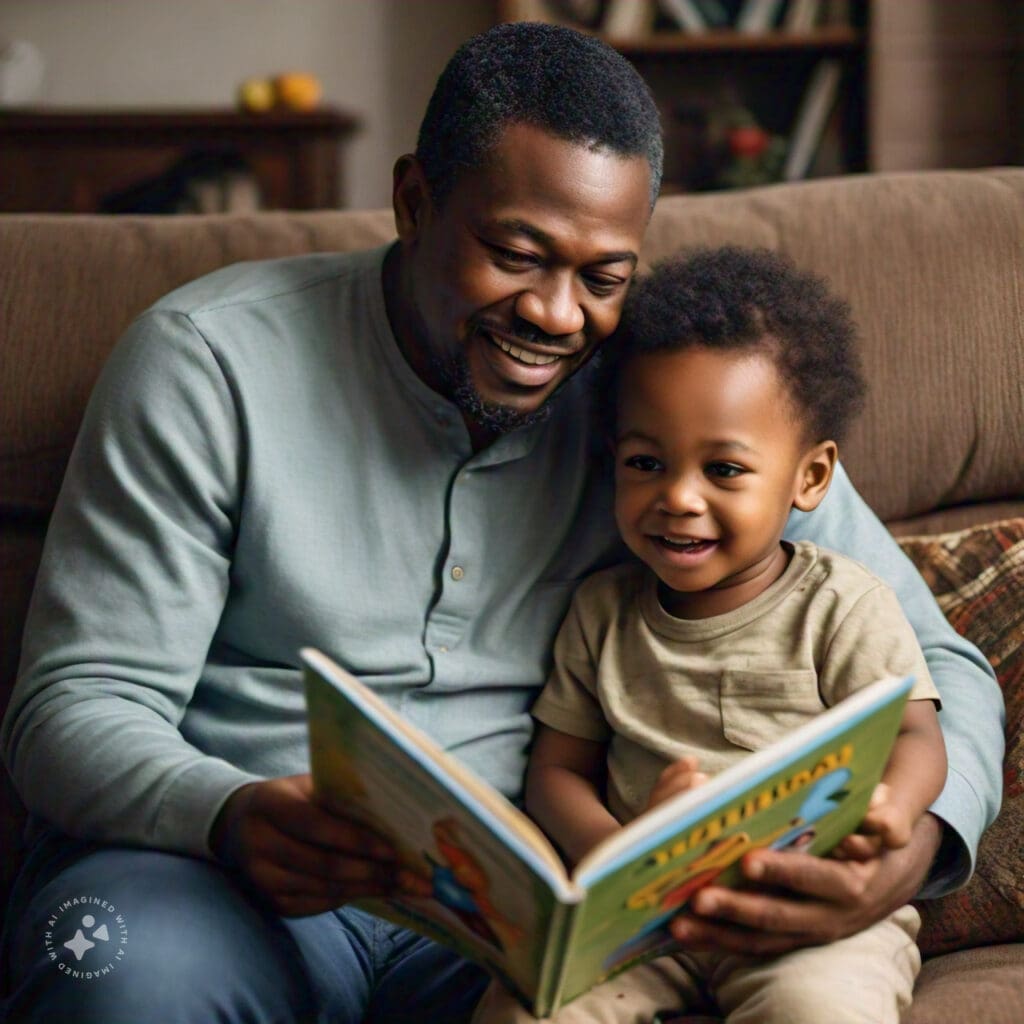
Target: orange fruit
(297, 90)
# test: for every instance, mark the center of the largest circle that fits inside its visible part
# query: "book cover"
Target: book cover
(493, 887)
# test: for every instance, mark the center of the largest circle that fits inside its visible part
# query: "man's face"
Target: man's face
(520, 273)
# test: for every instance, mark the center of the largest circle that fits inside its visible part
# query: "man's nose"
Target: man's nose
(552, 305)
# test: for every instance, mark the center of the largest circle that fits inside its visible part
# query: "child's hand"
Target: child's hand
(678, 777)
(886, 825)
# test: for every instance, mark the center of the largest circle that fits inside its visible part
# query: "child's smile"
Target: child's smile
(687, 550)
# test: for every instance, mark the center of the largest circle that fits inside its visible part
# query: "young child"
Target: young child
(731, 380)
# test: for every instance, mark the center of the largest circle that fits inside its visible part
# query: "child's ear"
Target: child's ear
(814, 475)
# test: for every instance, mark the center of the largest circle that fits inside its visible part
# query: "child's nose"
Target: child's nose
(683, 496)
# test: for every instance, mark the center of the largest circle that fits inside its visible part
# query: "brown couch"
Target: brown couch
(934, 266)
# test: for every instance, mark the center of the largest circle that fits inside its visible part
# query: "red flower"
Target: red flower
(748, 140)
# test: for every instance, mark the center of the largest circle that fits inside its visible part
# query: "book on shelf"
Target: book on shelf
(758, 15)
(628, 19)
(482, 878)
(577, 12)
(530, 10)
(801, 15)
(686, 14)
(811, 118)
(836, 12)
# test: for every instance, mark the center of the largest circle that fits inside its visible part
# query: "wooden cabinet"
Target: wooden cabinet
(710, 83)
(95, 161)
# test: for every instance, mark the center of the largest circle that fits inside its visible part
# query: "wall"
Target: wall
(377, 59)
(944, 90)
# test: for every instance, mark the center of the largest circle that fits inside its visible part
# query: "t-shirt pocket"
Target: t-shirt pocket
(759, 708)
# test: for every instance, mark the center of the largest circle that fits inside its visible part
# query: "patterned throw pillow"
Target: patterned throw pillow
(977, 575)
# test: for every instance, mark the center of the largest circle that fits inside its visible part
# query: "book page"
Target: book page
(480, 876)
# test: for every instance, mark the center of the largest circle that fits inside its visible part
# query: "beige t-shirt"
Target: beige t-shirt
(657, 687)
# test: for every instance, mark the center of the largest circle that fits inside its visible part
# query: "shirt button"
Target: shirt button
(458, 572)
(442, 649)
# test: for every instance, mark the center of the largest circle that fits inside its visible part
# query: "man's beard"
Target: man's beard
(495, 418)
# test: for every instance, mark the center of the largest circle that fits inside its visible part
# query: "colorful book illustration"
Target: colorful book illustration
(489, 883)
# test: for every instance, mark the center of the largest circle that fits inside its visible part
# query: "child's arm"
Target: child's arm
(914, 777)
(564, 782)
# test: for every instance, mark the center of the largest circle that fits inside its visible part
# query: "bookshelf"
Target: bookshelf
(740, 107)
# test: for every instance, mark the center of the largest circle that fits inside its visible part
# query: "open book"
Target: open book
(489, 883)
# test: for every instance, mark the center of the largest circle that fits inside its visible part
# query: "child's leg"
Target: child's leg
(630, 998)
(867, 978)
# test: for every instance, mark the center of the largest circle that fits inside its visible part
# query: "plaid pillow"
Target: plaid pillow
(977, 576)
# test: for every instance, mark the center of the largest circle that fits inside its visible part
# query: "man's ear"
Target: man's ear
(410, 196)
(814, 475)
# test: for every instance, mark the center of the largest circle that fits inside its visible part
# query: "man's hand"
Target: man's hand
(803, 900)
(302, 858)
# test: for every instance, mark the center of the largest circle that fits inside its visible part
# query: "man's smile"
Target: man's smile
(517, 363)
(523, 355)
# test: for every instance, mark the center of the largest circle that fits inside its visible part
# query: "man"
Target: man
(386, 455)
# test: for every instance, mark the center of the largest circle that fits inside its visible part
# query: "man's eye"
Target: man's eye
(726, 470)
(601, 284)
(644, 463)
(513, 257)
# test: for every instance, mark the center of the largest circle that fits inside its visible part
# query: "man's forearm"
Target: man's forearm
(972, 706)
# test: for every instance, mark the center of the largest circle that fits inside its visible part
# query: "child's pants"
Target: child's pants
(866, 978)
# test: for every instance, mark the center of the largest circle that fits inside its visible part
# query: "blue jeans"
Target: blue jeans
(109, 935)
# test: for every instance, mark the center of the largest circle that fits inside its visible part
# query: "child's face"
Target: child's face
(709, 460)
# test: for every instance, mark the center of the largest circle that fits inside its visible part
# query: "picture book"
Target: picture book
(489, 883)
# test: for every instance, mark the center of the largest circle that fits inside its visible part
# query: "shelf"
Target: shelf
(744, 108)
(85, 161)
(129, 119)
(835, 39)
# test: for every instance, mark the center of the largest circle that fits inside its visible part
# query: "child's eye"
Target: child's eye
(644, 463)
(725, 470)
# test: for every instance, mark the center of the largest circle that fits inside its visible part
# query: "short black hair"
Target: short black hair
(747, 299)
(572, 85)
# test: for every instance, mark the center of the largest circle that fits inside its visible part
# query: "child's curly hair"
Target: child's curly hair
(734, 298)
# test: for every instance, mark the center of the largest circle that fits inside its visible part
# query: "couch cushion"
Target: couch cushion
(977, 576)
(979, 986)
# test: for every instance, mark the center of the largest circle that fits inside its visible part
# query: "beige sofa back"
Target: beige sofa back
(932, 264)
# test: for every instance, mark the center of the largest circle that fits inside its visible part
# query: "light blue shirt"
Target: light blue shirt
(260, 470)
